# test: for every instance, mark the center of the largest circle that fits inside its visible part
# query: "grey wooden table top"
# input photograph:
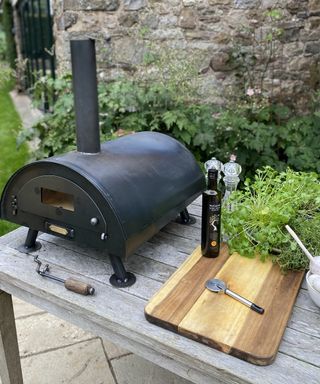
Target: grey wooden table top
(118, 314)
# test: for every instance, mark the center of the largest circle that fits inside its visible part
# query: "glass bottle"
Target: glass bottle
(214, 163)
(211, 217)
(231, 179)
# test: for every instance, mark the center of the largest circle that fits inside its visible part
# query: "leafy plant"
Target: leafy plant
(3, 46)
(11, 158)
(263, 135)
(8, 25)
(124, 105)
(55, 133)
(260, 134)
(255, 225)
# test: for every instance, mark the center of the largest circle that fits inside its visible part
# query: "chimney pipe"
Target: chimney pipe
(84, 78)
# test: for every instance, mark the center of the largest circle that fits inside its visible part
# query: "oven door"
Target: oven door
(64, 205)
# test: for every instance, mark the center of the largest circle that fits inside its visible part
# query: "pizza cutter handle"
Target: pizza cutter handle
(256, 308)
(244, 301)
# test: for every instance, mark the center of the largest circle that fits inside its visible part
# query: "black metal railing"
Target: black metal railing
(37, 47)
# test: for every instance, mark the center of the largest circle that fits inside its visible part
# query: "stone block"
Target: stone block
(168, 21)
(222, 38)
(134, 5)
(152, 21)
(128, 50)
(67, 20)
(310, 36)
(293, 49)
(91, 5)
(188, 19)
(295, 6)
(314, 5)
(299, 64)
(128, 19)
(246, 4)
(220, 62)
(166, 34)
(199, 35)
(289, 35)
(209, 19)
(189, 3)
(314, 22)
(220, 2)
(312, 48)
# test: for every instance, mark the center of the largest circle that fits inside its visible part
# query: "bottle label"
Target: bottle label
(214, 222)
(214, 208)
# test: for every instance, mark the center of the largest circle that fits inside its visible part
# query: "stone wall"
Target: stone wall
(213, 35)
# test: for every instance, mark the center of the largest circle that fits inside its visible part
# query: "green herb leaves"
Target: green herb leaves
(264, 206)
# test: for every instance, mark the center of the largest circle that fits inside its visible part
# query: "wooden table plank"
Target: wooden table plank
(129, 324)
(118, 315)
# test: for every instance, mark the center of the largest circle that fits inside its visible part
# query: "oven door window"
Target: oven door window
(57, 199)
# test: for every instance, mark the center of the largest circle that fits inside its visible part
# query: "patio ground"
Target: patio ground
(54, 352)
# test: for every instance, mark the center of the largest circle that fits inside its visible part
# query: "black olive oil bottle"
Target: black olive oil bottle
(211, 217)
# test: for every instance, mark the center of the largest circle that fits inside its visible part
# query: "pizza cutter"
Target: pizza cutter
(219, 286)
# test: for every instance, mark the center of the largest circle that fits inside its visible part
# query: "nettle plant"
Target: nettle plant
(125, 105)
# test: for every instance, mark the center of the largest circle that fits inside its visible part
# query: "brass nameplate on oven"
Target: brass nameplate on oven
(58, 230)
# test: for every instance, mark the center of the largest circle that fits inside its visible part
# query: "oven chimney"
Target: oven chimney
(84, 75)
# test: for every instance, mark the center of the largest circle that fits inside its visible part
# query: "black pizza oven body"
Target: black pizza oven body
(113, 200)
(113, 197)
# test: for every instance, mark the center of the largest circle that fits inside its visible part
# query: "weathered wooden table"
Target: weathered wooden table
(118, 314)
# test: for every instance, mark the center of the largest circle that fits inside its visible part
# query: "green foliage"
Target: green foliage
(255, 225)
(124, 105)
(56, 131)
(7, 21)
(265, 135)
(257, 132)
(3, 46)
(6, 74)
(11, 158)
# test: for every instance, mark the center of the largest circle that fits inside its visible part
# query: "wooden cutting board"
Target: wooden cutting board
(185, 306)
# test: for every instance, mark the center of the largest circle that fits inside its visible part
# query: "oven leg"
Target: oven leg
(185, 218)
(30, 244)
(121, 278)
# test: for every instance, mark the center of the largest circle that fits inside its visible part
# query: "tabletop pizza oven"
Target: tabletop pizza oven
(113, 196)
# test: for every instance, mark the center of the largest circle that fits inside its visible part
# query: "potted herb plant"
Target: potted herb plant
(256, 223)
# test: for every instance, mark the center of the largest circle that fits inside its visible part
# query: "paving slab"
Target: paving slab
(23, 104)
(29, 115)
(113, 351)
(23, 309)
(132, 369)
(81, 363)
(39, 333)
